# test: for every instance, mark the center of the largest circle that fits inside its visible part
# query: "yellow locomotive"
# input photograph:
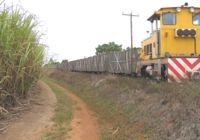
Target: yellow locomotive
(173, 48)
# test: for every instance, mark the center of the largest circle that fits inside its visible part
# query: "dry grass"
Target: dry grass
(137, 109)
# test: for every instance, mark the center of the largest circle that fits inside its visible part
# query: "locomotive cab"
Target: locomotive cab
(172, 50)
(176, 33)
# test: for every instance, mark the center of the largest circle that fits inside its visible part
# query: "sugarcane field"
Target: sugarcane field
(99, 70)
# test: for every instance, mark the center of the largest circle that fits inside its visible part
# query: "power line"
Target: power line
(131, 28)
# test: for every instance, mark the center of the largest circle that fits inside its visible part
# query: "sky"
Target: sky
(74, 28)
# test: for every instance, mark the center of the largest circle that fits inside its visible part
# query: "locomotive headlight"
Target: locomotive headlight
(192, 9)
(186, 32)
(192, 32)
(178, 9)
(180, 32)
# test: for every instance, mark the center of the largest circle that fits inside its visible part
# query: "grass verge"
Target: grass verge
(113, 114)
(138, 109)
(62, 116)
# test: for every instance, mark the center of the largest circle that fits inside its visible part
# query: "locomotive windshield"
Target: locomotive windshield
(169, 18)
(196, 19)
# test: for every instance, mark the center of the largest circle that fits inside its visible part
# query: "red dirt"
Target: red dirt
(34, 122)
(84, 125)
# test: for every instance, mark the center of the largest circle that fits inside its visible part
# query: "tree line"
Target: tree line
(110, 47)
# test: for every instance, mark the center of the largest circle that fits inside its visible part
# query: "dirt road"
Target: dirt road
(33, 123)
(84, 125)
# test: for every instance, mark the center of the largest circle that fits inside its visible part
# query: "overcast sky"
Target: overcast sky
(74, 28)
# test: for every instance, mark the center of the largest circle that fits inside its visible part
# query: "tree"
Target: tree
(52, 61)
(110, 47)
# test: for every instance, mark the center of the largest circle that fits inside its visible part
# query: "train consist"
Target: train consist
(115, 62)
(171, 52)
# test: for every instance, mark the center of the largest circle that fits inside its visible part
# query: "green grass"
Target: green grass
(63, 114)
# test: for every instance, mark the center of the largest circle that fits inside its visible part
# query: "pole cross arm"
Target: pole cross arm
(130, 15)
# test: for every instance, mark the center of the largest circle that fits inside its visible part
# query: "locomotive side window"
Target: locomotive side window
(196, 19)
(169, 18)
(150, 46)
(148, 49)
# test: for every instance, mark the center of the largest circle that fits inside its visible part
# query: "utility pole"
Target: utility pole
(131, 27)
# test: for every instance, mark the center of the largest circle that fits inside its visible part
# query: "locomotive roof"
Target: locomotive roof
(156, 14)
